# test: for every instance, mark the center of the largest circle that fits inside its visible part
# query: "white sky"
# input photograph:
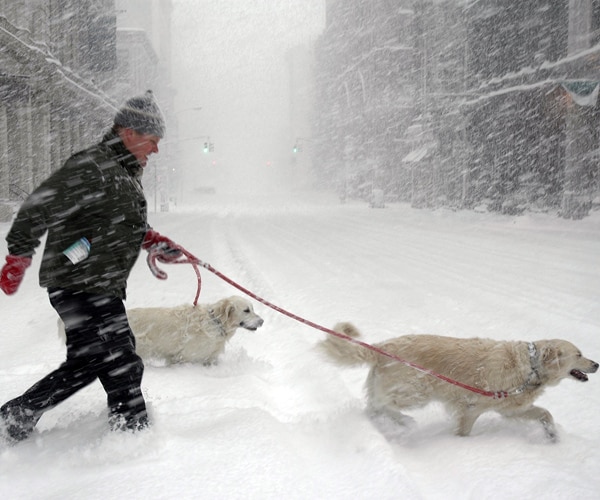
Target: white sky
(229, 58)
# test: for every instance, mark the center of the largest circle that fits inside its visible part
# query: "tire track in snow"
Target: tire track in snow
(439, 257)
(255, 249)
(335, 247)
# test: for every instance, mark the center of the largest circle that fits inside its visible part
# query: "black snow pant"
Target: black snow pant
(100, 345)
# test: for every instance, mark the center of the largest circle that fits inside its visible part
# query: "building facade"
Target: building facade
(62, 79)
(462, 103)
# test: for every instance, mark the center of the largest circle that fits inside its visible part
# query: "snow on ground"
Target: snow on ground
(276, 420)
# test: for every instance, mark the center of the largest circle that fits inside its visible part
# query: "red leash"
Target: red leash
(188, 258)
(185, 258)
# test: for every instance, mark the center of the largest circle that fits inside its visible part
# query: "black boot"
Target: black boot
(119, 419)
(17, 423)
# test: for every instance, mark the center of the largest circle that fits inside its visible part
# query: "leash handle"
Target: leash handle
(185, 258)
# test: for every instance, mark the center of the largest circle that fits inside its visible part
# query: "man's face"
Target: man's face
(140, 145)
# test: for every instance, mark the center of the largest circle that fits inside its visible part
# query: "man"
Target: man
(93, 210)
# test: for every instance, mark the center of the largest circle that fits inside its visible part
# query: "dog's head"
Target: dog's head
(238, 312)
(560, 359)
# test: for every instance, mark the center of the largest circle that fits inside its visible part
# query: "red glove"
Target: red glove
(159, 248)
(164, 249)
(13, 272)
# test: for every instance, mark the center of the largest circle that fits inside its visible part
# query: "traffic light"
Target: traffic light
(206, 147)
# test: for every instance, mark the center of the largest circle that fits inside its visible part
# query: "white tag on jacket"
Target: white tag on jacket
(78, 251)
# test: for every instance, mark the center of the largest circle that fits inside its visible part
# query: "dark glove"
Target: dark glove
(159, 248)
(162, 247)
(13, 272)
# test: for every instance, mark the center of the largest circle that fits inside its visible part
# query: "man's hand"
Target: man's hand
(162, 249)
(165, 249)
(13, 273)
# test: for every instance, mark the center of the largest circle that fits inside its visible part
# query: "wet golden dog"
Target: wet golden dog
(195, 334)
(189, 334)
(524, 369)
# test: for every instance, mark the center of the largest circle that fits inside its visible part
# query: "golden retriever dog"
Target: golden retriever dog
(187, 333)
(190, 334)
(523, 369)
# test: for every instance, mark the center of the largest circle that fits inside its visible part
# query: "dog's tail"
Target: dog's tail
(344, 352)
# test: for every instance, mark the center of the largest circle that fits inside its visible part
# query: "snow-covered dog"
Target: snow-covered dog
(522, 368)
(187, 333)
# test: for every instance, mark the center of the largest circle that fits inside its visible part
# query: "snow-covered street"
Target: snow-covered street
(274, 419)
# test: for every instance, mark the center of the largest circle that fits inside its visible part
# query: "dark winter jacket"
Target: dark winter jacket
(96, 195)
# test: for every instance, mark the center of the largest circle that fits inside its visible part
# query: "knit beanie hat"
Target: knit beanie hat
(142, 114)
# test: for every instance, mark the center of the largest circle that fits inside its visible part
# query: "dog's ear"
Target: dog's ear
(223, 309)
(550, 354)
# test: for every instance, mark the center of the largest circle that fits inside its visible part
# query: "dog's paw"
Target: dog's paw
(393, 427)
(550, 433)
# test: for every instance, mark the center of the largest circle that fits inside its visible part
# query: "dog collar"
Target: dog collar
(533, 375)
(532, 352)
(218, 322)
